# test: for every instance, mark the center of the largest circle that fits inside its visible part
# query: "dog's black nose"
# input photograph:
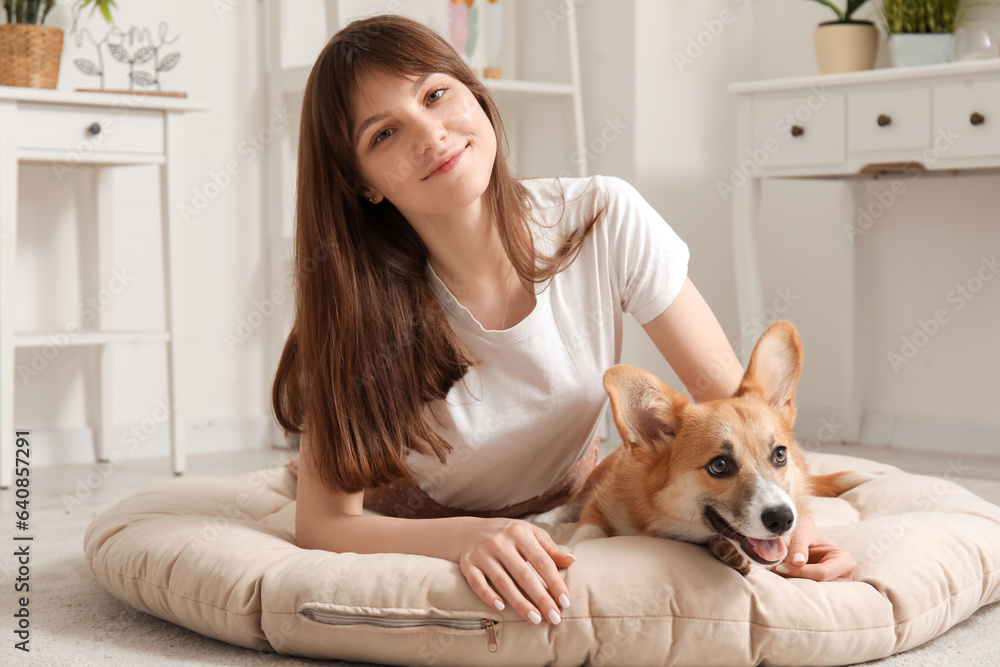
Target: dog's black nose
(777, 518)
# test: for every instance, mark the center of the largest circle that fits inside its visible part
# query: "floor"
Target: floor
(83, 485)
(979, 474)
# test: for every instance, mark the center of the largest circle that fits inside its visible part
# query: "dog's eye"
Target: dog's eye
(718, 467)
(780, 456)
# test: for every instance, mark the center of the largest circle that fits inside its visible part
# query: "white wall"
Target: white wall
(224, 387)
(926, 243)
(668, 89)
(687, 53)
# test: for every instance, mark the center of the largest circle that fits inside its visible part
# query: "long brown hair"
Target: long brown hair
(370, 346)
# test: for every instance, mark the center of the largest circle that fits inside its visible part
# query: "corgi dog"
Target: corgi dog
(727, 473)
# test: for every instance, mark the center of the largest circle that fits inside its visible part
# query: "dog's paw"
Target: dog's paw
(730, 554)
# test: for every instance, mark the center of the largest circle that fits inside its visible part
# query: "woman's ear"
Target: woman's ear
(373, 197)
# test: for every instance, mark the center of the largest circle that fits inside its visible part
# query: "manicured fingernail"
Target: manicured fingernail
(534, 617)
(498, 605)
(563, 601)
(554, 618)
(782, 569)
(798, 559)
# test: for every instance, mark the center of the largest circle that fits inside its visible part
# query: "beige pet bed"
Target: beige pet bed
(218, 556)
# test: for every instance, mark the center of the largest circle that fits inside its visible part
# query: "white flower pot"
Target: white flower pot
(909, 49)
(845, 46)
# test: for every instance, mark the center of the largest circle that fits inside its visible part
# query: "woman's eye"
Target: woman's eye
(780, 456)
(381, 136)
(386, 133)
(718, 466)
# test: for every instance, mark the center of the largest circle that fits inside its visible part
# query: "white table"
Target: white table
(941, 119)
(67, 130)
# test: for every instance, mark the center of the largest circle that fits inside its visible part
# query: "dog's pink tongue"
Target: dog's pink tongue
(771, 550)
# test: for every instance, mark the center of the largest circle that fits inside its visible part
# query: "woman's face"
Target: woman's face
(423, 143)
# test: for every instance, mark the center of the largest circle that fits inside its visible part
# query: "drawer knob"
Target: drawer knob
(884, 120)
(977, 118)
(94, 129)
(798, 130)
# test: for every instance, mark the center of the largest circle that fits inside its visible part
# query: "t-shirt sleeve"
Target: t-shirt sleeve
(649, 260)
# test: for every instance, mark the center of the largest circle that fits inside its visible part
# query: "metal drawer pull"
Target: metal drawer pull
(798, 130)
(94, 129)
(977, 118)
(884, 120)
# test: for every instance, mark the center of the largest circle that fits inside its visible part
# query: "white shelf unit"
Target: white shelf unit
(84, 338)
(50, 127)
(542, 113)
(903, 121)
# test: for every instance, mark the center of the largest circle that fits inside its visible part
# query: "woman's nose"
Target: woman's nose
(430, 133)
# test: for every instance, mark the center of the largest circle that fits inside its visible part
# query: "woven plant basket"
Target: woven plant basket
(30, 55)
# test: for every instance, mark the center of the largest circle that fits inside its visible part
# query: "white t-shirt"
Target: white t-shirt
(528, 411)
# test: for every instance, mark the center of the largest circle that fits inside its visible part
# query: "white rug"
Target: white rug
(75, 622)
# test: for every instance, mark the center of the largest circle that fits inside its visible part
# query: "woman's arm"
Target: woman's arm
(334, 522)
(693, 343)
(499, 558)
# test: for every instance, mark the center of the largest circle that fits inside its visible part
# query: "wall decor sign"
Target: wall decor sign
(145, 56)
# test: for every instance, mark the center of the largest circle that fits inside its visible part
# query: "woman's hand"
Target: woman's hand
(818, 558)
(513, 561)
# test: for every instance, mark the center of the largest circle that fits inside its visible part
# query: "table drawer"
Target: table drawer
(808, 128)
(67, 128)
(889, 120)
(967, 118)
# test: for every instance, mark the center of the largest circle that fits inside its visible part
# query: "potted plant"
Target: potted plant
(845, 44)
(921, 31)
(29, 51)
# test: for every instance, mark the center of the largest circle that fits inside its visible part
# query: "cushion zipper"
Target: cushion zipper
(389, 621)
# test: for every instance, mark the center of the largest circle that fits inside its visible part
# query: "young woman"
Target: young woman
(453, 323)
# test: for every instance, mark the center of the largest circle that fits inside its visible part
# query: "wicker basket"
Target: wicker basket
(30, 55)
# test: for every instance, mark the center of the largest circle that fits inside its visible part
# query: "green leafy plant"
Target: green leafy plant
(28, 11)
(104, 5)
(843, 15)
(919, 16)
(925, 16)
(36, 11)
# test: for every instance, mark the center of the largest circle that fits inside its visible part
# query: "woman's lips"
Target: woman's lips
(448, 164)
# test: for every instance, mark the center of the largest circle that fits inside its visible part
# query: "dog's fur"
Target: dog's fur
(728, 473)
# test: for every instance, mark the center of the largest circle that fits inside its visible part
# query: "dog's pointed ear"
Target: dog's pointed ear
(774, 369)
(647, 412)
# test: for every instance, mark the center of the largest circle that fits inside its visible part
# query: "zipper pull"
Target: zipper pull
(491, 635)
